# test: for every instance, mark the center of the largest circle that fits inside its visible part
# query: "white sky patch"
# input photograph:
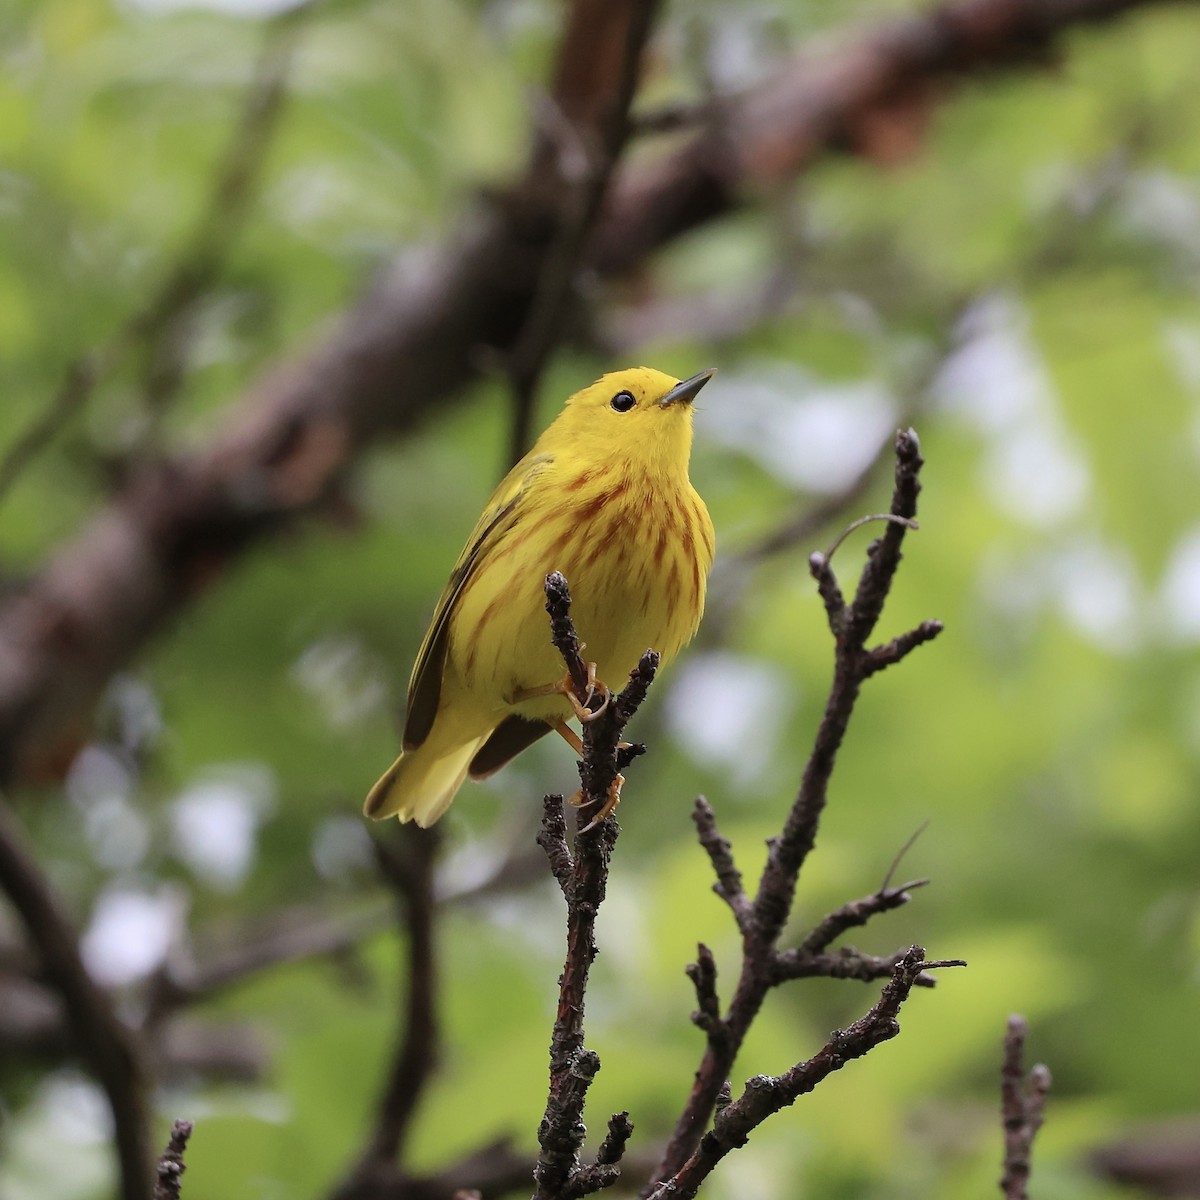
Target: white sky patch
(1183, 351)
(76, 1107)
(237, 8)
(727, 710)
(1094, 586)
(131, 932)
(342, 679)
(1034, 473)
(97, 773)
(1162, 207)
(341, 848)
(100, 786)
(1099, 595)
(137, 710)
(995, 378)
(1179, 597)
(808, 432)
(996, 382)
(215, 821)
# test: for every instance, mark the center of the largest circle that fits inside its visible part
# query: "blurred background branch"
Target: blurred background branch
(406, 348)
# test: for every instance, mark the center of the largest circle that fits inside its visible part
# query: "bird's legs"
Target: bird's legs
(566, 687)
(614, 789)
(568, 735)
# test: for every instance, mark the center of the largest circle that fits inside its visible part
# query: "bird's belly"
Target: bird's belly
(625, 600)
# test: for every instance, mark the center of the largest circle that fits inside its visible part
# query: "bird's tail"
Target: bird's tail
(421, 783)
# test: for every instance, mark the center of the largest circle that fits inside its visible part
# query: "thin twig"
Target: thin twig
(294, 935)
(844, 963)
(899, 858)
(300, 932)
(765, 1095)
(855, 913)
(729, 879)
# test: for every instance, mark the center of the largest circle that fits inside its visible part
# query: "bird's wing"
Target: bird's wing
(506, 741)
(498, 518)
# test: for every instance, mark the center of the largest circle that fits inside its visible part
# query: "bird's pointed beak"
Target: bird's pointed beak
(685, 392)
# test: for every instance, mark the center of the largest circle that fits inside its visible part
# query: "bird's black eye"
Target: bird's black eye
(623, 401)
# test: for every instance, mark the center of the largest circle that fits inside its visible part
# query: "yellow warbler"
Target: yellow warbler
(604, 497)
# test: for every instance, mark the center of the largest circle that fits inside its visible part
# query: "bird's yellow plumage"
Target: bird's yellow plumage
(604, 497)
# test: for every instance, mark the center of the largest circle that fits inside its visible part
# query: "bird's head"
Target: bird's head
(638, 415)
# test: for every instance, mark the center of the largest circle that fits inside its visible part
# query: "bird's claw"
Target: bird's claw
(566, 687)
(610, 804)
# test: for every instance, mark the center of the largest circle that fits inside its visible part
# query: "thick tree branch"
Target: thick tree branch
(842, 100)
(407, 349)
(388, 363)
(580, 137)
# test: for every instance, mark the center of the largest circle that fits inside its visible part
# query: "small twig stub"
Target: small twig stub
(1023, 1106)
(171, 1166)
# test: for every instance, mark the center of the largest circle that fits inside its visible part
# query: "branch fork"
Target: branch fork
(711, 1123)
(582, 877)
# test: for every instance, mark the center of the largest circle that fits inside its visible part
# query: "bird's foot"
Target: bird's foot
(610, 804)
(566, 687)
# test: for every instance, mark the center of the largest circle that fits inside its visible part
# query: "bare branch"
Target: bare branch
(558, 1173)
(553, 840)
(902, 645)
(787, 854)
(290, 935)
(765, 1095)
(855, 913)
(762, 922)
(843, 963)
(563, 635)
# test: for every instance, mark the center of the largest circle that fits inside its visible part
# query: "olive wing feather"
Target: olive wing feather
(495, 523)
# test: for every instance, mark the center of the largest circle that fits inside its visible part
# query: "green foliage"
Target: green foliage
(1050, 738)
